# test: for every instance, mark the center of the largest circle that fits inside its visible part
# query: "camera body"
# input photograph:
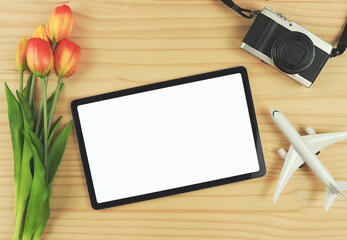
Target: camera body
(287, 46)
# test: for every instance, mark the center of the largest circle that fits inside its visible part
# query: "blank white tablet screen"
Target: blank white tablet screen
(168, 138)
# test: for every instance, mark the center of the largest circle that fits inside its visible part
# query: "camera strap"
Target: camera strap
(246, 13)
(342, 45)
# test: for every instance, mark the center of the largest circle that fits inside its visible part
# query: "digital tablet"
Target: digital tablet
(169, 137)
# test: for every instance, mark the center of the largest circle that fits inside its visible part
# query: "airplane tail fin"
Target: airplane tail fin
(343, 187)
(333, 191)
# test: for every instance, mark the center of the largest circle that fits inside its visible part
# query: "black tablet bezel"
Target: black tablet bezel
(159, 85)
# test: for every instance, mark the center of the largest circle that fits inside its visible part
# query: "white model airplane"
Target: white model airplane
(304, 149)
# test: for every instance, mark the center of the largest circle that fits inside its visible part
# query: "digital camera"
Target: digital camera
(287, 46)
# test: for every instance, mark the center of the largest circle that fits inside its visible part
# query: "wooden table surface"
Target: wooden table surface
(127, 43)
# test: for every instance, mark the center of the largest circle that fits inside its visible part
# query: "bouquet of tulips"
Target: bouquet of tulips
(37, 146)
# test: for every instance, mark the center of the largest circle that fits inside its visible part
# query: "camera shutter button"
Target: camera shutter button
(281, 16)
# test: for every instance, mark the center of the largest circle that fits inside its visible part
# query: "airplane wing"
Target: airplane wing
(320, 141)
(292, 162)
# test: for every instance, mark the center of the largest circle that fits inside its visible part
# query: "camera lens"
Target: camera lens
(293, 52)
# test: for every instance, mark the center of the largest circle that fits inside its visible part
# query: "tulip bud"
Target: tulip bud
(59, 25)
(20, 56)
(39, 57)
(40, 32)
(66, 58)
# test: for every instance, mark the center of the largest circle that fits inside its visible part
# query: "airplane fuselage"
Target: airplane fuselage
(303, 149)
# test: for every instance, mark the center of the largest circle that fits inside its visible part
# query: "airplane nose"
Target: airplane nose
(272, 111)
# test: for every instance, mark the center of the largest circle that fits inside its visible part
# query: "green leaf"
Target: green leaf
(28, 116)
(24, 187)
(26, 173)
(45, 211)
(41, 226)
(29, 123)
(37, 144)
(40, 194)
(54, 129)
(16, 127)
(56, 152)
(26, 90)
(33, 107)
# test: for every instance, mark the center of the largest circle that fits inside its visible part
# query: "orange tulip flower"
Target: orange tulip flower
(59, 25)
(39, 57)
(40, 32)
(66, 58)
(20, 56)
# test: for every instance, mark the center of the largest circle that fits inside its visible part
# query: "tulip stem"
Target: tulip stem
(45, 133)
(21, 73)
(56, 94)
(54, 44)
(32, 89)
(39, 116)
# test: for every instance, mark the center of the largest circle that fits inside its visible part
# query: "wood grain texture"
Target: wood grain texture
(127, 43)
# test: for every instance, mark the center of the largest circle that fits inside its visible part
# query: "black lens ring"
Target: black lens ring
(279, 48)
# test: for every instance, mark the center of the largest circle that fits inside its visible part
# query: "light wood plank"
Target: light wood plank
(135, 42)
